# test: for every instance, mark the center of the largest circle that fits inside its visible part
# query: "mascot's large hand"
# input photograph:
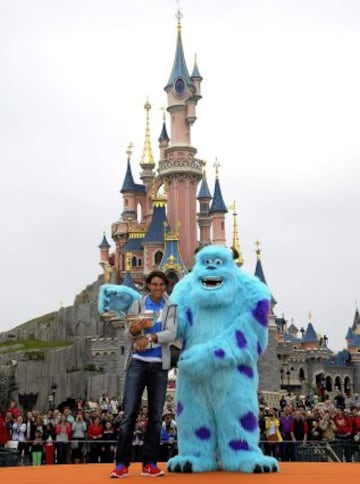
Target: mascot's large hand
(117, 299)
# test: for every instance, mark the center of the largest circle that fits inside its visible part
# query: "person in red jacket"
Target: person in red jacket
(4, 434)
(14, 410)
(343, 433)
(95, 433)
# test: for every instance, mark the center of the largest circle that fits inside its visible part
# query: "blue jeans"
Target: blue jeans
(142, 374)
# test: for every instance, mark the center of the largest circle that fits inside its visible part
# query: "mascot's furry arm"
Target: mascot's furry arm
(116, 298)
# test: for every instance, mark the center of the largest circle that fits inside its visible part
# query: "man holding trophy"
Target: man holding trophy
(151, 327)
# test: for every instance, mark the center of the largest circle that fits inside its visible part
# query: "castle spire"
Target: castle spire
(179, 70)
(235, 242)
(259, 272)
(218, 204)
(147, 159)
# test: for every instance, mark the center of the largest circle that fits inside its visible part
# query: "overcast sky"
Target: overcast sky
(280, 112)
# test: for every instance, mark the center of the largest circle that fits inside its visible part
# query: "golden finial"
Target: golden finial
(147, 156)
(130, 150)
(178, 16)
(216, 166)
(235, 243)
(310, 316)
(258, 250)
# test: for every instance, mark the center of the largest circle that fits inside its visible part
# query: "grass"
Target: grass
(30, 345)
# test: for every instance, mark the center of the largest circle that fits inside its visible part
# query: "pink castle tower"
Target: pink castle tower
(179, 168)
(159, 226)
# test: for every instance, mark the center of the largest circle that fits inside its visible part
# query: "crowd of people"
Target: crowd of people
(87, 433)
(295, 423)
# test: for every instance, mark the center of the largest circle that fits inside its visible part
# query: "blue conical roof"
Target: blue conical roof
(259, 272)
(195, 73)
(218, 204)
(104, 244)
(155, 233)
(163, 135)
(310, 334)
(204, 191)
(129, 185)
(179, 68)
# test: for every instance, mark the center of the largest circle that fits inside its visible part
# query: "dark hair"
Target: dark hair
(154, 274)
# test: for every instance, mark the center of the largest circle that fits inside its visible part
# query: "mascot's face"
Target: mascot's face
(214, 277)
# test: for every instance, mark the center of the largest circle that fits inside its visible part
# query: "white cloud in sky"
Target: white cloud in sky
(280, 111)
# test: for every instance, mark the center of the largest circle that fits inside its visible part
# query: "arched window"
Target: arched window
(338, 383)
(133, 262)
(301, 375)
(158, 257)
(328, 384)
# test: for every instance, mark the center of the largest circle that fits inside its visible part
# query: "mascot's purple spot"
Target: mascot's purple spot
(261, 312)
(249, 421)
(246, 370)
(203, 433)
(189, 316)
(240, 339)
(239, 445)
(259, 349)
(179, 408)
(220, 353)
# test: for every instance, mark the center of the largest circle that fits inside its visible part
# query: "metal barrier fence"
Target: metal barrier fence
(85, 451)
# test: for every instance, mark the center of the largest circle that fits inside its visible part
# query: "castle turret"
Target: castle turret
(163, 139)
(218, 211)
(269, 359)
(203, 216)
(179, 169)
(130, 190)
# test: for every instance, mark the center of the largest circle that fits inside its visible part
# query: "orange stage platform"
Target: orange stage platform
(290, 473)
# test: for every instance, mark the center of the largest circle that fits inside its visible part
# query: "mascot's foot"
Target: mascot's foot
(251, 463)
(183, 463)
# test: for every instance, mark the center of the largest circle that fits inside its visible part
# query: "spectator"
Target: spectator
(299, 431)
(4, 434)
(37, 449)
(343, 434)
(95, 433)
(63, 432)
(79, 428)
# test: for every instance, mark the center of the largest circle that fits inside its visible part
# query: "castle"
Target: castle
(165, 218)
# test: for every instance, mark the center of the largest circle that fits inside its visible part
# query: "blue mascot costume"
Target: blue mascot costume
(223, 321)
(115, 300)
